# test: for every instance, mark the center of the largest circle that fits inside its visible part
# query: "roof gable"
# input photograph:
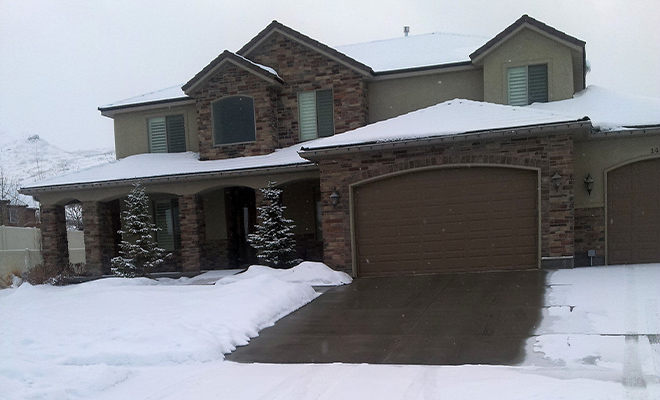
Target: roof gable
(526, 22)
(227, 57)
(278, 28)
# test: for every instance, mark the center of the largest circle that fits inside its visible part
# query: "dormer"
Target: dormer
(531, 62)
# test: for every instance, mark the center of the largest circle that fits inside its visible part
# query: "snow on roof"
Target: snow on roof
(154, 165)
(414, 51)
(453, 117)
(264, 67)
(169, 93)
(607, 109)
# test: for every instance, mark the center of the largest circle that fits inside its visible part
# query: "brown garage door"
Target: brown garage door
(633, 213)
(448, 219)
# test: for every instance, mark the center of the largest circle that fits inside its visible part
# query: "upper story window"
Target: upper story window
(233, 120)
(315, 114)
(528, 84)
(167, 134)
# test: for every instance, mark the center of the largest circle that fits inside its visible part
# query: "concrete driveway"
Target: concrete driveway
(452, 319)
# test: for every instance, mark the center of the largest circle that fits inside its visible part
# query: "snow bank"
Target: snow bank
(104, 325)
(312, 273)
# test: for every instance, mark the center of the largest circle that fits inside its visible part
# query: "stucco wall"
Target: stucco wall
(596, 156)
(131, 131)
(391, 97)
(528, 48)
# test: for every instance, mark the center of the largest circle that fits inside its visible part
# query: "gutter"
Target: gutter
(110, 111)
(314, 154)
(195, 176)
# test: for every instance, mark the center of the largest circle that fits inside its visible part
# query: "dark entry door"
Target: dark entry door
(241, 217)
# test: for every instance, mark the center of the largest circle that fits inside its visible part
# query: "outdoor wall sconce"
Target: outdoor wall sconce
(589, 183)
(334, 197)
(555, 180)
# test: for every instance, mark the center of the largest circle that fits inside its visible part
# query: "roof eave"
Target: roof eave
(195, 176)
(111, 111)
(316, 154)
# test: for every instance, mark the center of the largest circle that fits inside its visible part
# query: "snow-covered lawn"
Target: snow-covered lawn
(142, 339)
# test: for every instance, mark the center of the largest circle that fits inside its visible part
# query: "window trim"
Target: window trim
(316, 112)
(254, 117)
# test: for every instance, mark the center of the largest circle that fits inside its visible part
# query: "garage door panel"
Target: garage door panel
(633, 213)
(447, 219)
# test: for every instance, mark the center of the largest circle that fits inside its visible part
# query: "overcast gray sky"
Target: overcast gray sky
(60, 60)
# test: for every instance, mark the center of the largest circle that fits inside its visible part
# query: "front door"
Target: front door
(241, 218)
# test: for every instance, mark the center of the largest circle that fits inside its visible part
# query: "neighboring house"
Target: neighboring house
(469, 181)
(19, 215)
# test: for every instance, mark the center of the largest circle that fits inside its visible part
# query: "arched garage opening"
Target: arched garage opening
(633, 213)
(459, 218)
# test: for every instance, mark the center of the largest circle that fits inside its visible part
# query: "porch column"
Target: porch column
(193, 231)
(54, 244)
(99, 237)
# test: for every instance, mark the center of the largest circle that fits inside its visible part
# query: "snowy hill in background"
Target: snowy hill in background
(29, 159)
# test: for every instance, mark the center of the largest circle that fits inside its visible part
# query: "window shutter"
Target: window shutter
(325, 117)
(176, 134)
(307, 115)
(157, 135)
(517, 85)
(538, 83)
(164, 221)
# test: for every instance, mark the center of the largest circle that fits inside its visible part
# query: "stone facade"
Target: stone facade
(232, 81)
(191, 217)
(53, 236)
(589, 235)
(101, 223)
(549, 153)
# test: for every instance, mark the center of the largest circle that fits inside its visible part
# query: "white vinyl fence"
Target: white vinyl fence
(20, 248)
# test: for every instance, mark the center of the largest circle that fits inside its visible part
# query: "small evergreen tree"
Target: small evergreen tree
(273, 238)
(140, 254)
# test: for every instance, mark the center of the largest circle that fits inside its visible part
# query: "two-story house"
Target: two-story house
(420, 154)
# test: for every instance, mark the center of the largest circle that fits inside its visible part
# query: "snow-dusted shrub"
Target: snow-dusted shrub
(273, 238)
(139, 254)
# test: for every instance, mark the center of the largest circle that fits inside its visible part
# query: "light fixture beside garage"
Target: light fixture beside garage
(555, 180)
(334, 197)
(589, 183)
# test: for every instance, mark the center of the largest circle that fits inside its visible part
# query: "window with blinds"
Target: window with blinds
(167, 134)
(233, 120)
(316, 116)
(166, 217)
(527, 84)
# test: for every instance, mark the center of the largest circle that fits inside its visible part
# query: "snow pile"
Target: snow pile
(49, 333)
(313, 273)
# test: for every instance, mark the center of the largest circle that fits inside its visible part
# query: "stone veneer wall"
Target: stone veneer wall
(53, 236)
(589, 235)
(550, 153)
(193, 232)
(99, 236)
(232, 81)
(304, 69)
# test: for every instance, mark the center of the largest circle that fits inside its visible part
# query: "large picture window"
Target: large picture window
(315, 114)
(527, 84)
(233, 120)
(167, 134)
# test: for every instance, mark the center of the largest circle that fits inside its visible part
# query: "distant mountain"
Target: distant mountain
(32, 159)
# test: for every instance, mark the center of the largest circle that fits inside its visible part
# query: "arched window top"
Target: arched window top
(233, 120)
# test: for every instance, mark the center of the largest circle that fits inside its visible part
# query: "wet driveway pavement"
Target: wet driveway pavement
(451, 319)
